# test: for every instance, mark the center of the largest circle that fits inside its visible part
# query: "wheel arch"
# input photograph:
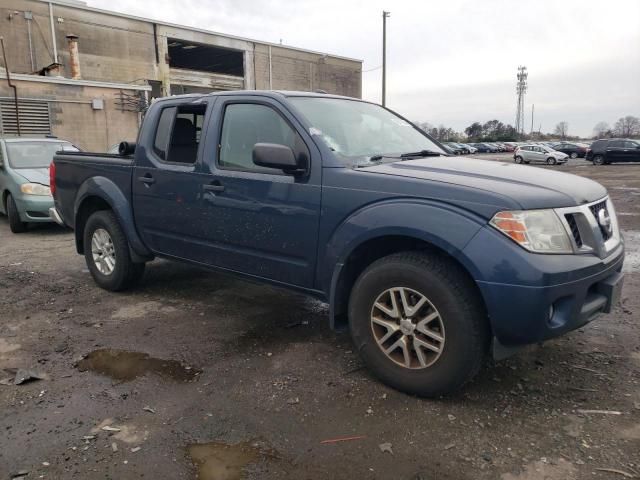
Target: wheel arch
(5, 196)
(445, 232)
(100, 193)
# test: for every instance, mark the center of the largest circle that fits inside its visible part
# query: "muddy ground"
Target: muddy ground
(257, 382)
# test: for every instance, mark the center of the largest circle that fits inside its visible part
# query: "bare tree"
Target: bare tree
(562, 129)
(602, 129)
(628, 126)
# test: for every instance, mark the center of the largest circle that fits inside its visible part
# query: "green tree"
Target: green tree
(474, 131)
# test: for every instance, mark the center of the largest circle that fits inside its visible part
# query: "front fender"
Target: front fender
(445, 226)
(108, 191)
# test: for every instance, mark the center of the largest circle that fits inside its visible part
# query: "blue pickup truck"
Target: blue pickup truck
(431, 261)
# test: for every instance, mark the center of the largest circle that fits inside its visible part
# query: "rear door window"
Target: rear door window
(163, 132)
(178, 134)
(616, 144)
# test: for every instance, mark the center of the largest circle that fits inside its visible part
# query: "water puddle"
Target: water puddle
(221, 461)
(124, 366)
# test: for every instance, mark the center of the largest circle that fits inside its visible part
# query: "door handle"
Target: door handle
(215, 187)
(147, 179)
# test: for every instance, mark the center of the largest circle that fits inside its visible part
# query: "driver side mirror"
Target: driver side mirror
(273, 155)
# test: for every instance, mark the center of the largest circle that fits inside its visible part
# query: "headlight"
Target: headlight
(539, 231)
(35, 189)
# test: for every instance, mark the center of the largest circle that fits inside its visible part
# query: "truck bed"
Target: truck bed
(73, 169)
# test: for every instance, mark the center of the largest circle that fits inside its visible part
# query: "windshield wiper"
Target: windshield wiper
(421, 153)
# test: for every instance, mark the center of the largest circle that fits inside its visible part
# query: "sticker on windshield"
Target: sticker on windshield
(315, 131)
(400, 122)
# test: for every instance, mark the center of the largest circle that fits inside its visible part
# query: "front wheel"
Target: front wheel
(598, 160)
(518, 159)
(418, 323)
(574, 155)
(15, 224)
(106, 251)
(551, 161)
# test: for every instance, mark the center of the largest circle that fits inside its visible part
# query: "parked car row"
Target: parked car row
(600, 152)
(457, 148)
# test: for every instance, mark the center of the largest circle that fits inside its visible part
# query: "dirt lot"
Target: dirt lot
(257, 382)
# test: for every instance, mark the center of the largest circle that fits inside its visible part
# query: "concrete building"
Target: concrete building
(85, 74)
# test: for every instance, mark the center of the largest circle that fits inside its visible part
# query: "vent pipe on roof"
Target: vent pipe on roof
(74, 59)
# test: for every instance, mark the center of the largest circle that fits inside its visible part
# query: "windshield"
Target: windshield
(35, 154)
(357, 131)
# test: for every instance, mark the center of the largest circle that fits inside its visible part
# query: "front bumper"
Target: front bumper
(34, 208)
(531, 297)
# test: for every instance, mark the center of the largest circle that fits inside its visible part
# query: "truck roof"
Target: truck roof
(263, 93)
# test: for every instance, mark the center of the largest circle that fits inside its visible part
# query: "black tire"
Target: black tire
(15, 224)
(518, 159)
(125, 272)
(453, 295)
(598, 160)
(551, 161)
(573, 155)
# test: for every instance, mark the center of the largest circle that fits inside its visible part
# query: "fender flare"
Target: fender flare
(108, 191)
(445, 226)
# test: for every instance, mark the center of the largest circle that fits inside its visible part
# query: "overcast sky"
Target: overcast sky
(453, 62)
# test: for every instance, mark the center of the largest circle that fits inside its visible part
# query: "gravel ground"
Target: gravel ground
(199, 375)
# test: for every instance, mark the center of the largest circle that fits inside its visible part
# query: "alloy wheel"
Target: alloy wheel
(407, 328)
(103, 251)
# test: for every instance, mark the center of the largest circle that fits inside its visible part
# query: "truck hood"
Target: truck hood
(34, 175)
(528, 186)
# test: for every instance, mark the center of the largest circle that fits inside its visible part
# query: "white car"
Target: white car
(470, 148)
(538, 154)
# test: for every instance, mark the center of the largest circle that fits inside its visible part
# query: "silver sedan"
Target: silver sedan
(538, 154)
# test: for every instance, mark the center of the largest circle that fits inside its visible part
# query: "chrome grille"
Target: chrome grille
(584, 229)
(575, 231)
(595, 208)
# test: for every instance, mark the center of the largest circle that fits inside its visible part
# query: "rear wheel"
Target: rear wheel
(518, 159)
(551, 161)
(598, 160)
(573, 155)
(15, 224)
(106, 252)
(418, 323)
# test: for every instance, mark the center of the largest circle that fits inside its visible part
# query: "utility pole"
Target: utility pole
(521, 89)
(533, 106)
(385, 15)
